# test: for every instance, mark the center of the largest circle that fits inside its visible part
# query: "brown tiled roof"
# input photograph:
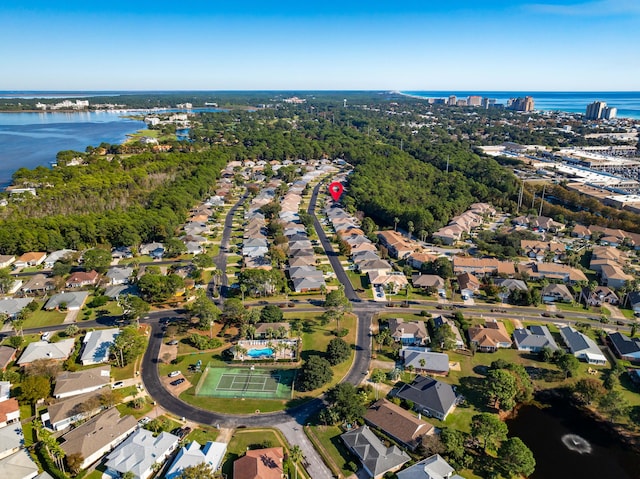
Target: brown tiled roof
(397, 422)
(7, 407)
(260, 464)
(489, 335)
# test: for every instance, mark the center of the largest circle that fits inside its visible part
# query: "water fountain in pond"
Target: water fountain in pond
(576, 443)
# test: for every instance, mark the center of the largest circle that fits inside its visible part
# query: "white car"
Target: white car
(117, 384)
(173, 374)
(144, 421)
(46, 336)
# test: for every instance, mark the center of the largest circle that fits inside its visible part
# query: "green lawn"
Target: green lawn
(329, 439)
(110, 309)
(203, 434)
(120, 374)
(42, 318)
(126, 408)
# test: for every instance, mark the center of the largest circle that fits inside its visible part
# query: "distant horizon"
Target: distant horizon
(327, 90)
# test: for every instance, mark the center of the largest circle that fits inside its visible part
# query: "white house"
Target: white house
(96, 346)
(140, 452)
(191, 455)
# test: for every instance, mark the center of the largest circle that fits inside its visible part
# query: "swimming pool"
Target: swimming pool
(256, 353)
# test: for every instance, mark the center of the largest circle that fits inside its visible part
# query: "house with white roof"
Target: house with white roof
(19, 466)
(582, 346)
(12, 306)
(56, 256)
(193, 454)
(139, 453)
(96, 346)
(45, 350)
(433, 467)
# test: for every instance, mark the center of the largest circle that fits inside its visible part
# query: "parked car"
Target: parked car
(177, 382)
(173, 374)
(117, 384)
(144, 421)
(173, 342)
(46, 336)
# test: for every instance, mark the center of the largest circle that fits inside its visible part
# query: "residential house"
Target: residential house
(556, 292)
(64, 412)
(490, 337)
(96, 346)
(398, 423)
(58, 351)
(6, 260)
(612, 276)
(140, 452)
(260, 464)
(9, 411)
(114, 292)
(376, 458)
(633, 300)
(483, 266)
(98, 436)
(418, 259)
(582, 346)
(80, 279)
(302, 285)
(119, 275)
(541, 250)
(392, 282)
(74, 301)
(7, 355)
(425, 362)
(534, 339)
(397, 245)
(429, 396)
(468, 284)
(11, 307)
(148, 249)
(70, 383)
(433, 467)
(38, 284)
(377, 266)
(626, 348)
(193, 454)
(429, 281)
(543, 224)
(30, 259)
(439, 321)
(449, 234)
(56, 256)
(11, 439)
(19, 466)
(581, 231)
(552, 271)
(408, 333)
(599, 296)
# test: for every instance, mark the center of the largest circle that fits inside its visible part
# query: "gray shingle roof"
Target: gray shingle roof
(374, 455)
(429, 393)
(534, 337)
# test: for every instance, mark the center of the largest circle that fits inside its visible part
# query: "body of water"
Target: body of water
(568, 444)
(33, 139)
(627, 103)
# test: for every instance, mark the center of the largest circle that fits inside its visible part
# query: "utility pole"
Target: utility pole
(520, 197)
(544, 187)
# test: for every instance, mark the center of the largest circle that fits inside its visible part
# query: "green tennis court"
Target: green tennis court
(254, 383)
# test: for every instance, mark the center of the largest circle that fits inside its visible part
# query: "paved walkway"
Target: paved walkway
(71, 317)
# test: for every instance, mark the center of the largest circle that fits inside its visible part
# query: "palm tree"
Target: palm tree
(295, 454)
(396, 220)
(410, 227)
(423, 235)
(243, 289)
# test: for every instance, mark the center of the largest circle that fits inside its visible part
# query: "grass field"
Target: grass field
(42, 318)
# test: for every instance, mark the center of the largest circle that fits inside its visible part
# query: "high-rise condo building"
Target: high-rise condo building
(595, 110)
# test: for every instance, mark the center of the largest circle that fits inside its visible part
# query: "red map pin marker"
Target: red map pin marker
(336, 190)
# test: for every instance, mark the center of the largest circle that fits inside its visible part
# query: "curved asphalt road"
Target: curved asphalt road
(300, 413)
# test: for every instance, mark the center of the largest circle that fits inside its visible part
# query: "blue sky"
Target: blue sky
(352, 44)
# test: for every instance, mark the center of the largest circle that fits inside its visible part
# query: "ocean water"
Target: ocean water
(627, 103)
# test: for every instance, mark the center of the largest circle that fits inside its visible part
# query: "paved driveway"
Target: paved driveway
(295, 435)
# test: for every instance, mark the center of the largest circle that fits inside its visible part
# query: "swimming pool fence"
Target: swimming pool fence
(238, 383)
